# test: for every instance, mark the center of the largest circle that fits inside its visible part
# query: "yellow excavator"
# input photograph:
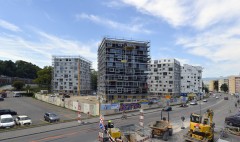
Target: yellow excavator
(201, 128)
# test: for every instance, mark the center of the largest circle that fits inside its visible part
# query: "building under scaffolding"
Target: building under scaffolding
(71, 75)
(122, 66)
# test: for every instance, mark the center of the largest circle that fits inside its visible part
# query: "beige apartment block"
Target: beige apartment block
(234, 84)
(221, 82)
(211, 85)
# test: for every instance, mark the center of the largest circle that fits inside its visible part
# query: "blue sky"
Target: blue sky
(200, 32)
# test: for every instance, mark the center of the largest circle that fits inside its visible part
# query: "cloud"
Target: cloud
(220, 46)
(172, 11)
(9, 26)
(199, 13)
(40, 52)
(130, 27)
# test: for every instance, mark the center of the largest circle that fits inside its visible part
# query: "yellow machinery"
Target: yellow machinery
(201, 128)
(115, 133)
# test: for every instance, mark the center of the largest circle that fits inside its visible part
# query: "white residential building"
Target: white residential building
(191, 79)
(164, 77)
(71, 75)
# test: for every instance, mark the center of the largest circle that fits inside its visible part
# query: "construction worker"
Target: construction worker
(110, 124)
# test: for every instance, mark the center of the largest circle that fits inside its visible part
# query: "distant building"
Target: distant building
(234, 84)
(5, 80)
(221, 82)
(164, 77)
(211, 86)
(191, 79)
(71, 75)
(122, 66)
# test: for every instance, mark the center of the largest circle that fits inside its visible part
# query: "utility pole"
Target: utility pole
(79, 77)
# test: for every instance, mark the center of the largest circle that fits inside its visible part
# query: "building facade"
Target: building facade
(212, 84)
(71, 75)
(234, 84)
(164, 77)
(122, 66)
(191, 79)
(221, 82)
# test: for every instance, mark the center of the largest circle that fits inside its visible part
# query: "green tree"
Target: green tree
(94, 80)
(215, 84)
(18, 85)
(44, 77)
(20, 69)
(206, 89)
(224, 87)
(26, 70)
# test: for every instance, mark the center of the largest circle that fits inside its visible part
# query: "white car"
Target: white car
(193, 103)
(6, 121)
(23, 120)
(204, 100)
(16, 94)
(217, 97)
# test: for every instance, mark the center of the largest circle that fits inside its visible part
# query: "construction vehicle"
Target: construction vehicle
(201, 128)
(162, 128)
(110, 133)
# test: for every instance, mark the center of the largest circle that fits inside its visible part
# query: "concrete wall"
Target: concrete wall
(93, 109)
(106, 108)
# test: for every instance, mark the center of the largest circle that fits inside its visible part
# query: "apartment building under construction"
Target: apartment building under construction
(71, 75)
(122, 66)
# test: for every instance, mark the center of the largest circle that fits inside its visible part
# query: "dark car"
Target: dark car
(51, 117)
(225, 98)
(1, 99)
(7, 111)
(167, 108)
(233, 120)
(184, 105)
(66, 96)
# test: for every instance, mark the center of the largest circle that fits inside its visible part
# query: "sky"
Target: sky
(201, 32)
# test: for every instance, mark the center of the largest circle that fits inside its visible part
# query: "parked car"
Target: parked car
(16, 94)
(217, 97)
(225, 98)
(7, 111)
(1, 99)
(66, 96)
(193, 103)
(23, 120)
(205, 100)
(6, 121)
(167, 108)
(233, 120)
(51, 117)
(184, 105)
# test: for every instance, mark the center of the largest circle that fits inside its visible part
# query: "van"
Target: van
(6, 121)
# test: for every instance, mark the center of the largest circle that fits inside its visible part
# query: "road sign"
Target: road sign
(101, 122)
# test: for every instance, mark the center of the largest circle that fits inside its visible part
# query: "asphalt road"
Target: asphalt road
(89, 133)
(35, 109)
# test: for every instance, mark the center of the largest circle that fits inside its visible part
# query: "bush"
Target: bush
(27, 94)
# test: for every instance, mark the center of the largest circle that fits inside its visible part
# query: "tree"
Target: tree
(20, 69)
(94, 80)
(18, 85)
(215, 85)
(44, 77)
(224, 87)
(206, 89)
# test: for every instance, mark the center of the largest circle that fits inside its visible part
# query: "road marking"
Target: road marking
(55, 137)
(86, 130)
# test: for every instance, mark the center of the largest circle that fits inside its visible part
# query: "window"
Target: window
(170, 69)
